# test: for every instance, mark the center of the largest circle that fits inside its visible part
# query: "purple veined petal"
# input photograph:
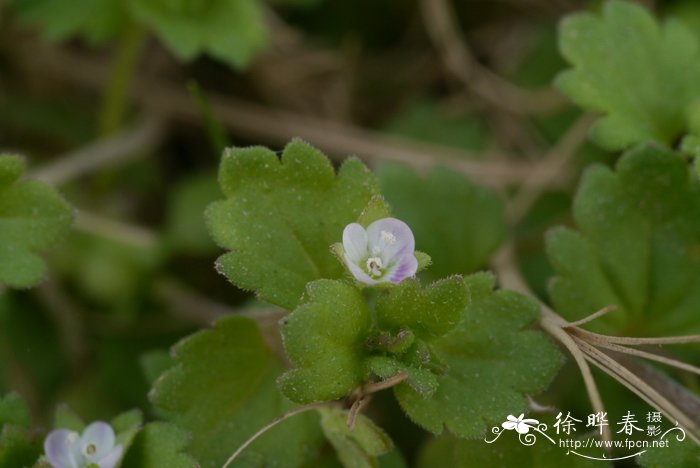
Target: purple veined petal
(101, 435)
(392, 237)
(59, 446)
(112, 458)
(355, 242)
(359, 274)
(404, 268)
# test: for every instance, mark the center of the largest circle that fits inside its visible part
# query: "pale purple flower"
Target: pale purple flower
(382, 253)
(522, 426)
(96, 445)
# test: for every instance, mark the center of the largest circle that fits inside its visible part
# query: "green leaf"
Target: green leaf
(325, 338)
(641, 75)
(185, 228)
(95, 20)
(13, 411)
(155, 363)
(357, 448)
(17, 447)
(229, 30)
(681, 454)
(430, 122)
(159, 444)
(506, 451)
(492, 359)
(280, 218)
(222, 390)
(65, 418)
(428, 313)
(457, 223)
(376, 209)
(126, 426)
(33, 217)
(636, 247)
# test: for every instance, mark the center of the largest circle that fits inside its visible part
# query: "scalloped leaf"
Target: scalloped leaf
(280, 217)
(325, 338)
(643, 76)
(637, 246)
(33, 217)
(159, 444)
(492, 359)
(428, 313)
(221, 389)
(459, 224)
(229, 30)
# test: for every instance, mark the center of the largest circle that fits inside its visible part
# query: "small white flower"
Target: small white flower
(522, 426)
(384, 252)
(68, 449)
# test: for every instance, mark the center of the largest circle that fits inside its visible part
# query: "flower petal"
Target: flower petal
(355, 242)
(358, 272)
(59, 447)
(512, 418)
(392, 237)
(101, 435)
(509, 425)
(532, 422)
(112, 458)
(405, 268)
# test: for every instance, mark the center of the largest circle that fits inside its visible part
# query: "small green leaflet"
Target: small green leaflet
(456, 222)
(336, 344)
(17, 446)
(636, 247)
(356, 448)
(33, 217)
(428, 313)
(221, 390)
(280, 217)
(644, 77)
(157, 445)
(229, 30)
(325, 338)
(491, 360)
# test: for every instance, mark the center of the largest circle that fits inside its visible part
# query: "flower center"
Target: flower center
(374, 266)
(90, 449)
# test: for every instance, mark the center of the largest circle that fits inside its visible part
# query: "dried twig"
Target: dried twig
(108, 152)
(441, 26)
(278, 126)
(116, 230)
(553, 166)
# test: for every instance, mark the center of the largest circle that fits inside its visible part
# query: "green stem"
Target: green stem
(115, 98)
(215, 131)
